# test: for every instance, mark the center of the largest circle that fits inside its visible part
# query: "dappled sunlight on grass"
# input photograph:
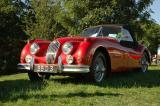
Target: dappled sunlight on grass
(126, 88)
(121, 80)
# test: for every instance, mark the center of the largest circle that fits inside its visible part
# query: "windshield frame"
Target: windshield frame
(94, 34)
(100, 32)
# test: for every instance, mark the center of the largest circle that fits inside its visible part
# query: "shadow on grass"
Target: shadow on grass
(11, 88)
(121, 80)
(60, 96)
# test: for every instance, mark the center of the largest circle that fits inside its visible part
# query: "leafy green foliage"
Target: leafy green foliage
(40, 21)
(10, 35)
(79, 14)
(152, 36)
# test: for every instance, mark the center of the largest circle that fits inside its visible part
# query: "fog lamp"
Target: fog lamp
(28, 58)
(69, 59)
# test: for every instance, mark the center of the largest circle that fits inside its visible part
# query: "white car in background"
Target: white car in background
(158, 55)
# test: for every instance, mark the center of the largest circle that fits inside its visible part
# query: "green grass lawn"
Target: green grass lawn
(121, 89)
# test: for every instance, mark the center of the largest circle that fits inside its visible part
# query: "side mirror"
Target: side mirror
(128, 44)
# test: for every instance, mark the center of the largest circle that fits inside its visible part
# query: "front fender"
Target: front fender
(82, 53)
(39, 55)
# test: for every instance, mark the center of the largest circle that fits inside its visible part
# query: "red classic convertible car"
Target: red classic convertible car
(95, 53)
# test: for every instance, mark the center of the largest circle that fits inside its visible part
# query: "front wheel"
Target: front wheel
(98, 67)
(34, 76)
(144, 63)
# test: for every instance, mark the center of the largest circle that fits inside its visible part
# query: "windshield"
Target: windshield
(105, 31)
(91, 32)
(113, 32)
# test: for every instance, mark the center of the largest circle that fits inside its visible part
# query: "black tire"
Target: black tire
(47, 76)
(144, 63)
(33, 76)
(98, 69)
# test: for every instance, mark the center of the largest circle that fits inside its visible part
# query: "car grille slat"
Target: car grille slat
(52, 52)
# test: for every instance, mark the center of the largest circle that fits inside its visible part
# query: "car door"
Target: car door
(116, 51)
(130, 45)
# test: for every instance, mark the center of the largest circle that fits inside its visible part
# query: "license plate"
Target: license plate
(45, 68)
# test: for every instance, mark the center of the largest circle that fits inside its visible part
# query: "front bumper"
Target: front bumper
(59, 68)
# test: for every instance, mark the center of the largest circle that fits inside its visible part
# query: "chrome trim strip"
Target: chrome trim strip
(76, 70)
(24, 66)
(65, 68)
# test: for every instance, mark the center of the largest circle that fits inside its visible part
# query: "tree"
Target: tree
(10, 35)
(152, 36)
(40, 22)
(79, 14)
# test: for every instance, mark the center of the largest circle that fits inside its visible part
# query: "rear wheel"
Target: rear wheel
(144, 63)
(33, 76)
(98, 67)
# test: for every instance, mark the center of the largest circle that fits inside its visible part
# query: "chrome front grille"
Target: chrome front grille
(52, 52)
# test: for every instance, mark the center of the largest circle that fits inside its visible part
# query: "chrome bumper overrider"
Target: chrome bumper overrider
(59, 68)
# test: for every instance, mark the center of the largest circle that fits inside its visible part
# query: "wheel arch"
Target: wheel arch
(106, 54)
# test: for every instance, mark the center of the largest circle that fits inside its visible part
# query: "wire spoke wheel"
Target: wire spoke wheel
(98, 68)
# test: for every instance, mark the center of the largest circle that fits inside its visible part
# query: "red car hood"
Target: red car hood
(79, 39)
(71, 39)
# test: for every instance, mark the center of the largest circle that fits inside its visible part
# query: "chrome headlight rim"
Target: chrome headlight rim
(67, 48)
(34, 47)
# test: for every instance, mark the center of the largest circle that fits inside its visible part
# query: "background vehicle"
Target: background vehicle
(96, 53)
(158, 55)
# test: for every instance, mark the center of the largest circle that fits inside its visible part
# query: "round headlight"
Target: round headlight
(34, 48)
(67, 48)
(28, 58)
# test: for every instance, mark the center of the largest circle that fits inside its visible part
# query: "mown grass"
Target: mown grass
(121, 89)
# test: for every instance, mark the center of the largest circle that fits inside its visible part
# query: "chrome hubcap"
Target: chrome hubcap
(99, 69)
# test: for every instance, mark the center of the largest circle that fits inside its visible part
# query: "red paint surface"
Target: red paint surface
(122, 58)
